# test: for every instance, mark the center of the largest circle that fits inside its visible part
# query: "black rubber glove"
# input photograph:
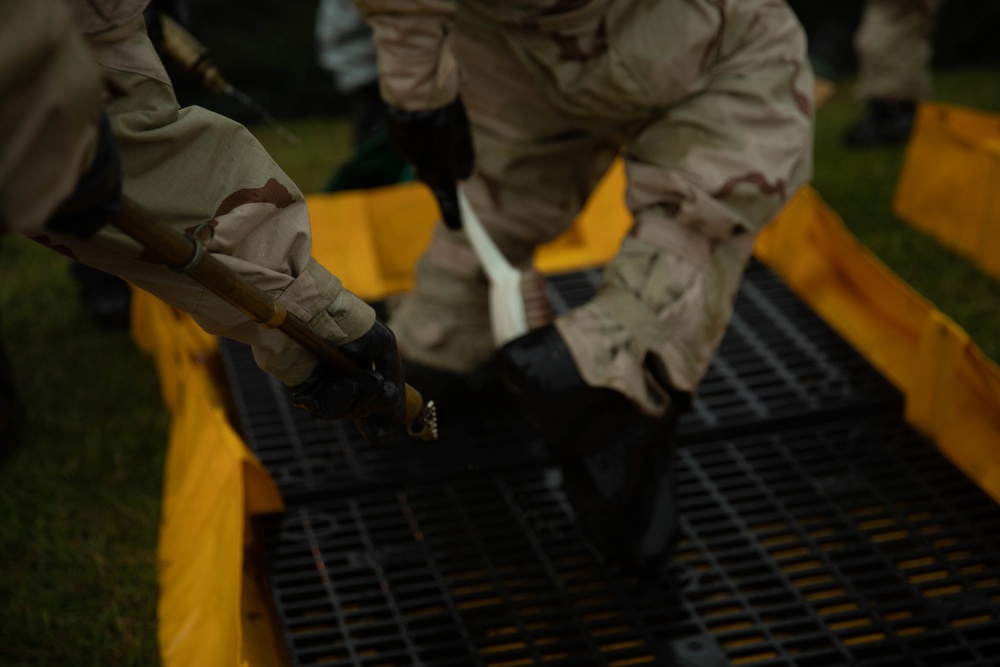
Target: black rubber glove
(439, 144)
(98, 195)
(540, 373)
(617, 464)
(374, 397)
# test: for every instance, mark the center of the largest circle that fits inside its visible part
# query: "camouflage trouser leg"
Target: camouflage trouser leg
(190, 167)
(703, 178)
(535, 169)
(893, 46)
(527, 189)
(710, 156)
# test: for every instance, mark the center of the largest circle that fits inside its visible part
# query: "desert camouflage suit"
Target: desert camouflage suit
(708, 101)
(186, 167)
(893, 46)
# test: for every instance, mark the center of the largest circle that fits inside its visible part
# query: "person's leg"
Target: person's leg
(894, 48)
(713, 152)
(717, 154)
(105, 296)
(534, 170)
(704, 176)
(536, 166)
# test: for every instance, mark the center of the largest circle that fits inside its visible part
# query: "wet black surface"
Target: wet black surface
(778, 365)
(838, 545)
(817, 527)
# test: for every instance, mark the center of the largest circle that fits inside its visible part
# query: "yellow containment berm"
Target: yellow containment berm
(213, 609)
(949, 183)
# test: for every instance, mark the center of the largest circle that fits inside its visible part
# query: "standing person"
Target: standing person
(709, 104)
(894, 47)
(66, 157)
(345, 48)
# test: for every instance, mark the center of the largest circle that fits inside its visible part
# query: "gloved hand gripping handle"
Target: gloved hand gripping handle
(187, 255)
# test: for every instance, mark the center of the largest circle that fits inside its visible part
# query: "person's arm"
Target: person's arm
(418, 78)
(416, 68)
(50, 101)
(61, 180)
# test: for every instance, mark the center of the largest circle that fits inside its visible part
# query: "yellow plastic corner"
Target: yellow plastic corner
(212, 483)
(598, 232)
(372, 239)
(952, 390)
(208, 589)
(171, 337)
(949, 186)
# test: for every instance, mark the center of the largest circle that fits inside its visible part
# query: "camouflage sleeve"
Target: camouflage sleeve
(894, 47)
(203, 173)
(94, 17)
(50, 96)
(416, 68)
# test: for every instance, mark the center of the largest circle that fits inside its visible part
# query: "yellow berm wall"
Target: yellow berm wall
(213, 610)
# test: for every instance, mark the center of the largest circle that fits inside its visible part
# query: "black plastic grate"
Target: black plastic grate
(310, 457)
(839, 545)
(779, 364)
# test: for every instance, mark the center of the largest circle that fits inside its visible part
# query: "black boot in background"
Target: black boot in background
(885, 123)
(106, 297)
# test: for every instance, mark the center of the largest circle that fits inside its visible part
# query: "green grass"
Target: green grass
(80, 487)
(80, 493)
(325, 144)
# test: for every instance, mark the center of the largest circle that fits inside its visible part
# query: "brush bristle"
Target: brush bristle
(537, 309)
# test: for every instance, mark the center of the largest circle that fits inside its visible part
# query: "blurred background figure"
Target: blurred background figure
(894, 48)
(891, 46)
(106, 297)
(830, 29)
(345, 48)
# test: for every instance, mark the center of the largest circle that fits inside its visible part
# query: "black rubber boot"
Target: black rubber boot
(106, 297)
(886, 122)
(457, 394)
(617, 464)
(368, 112)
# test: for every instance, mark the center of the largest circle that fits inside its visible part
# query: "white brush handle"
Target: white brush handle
(507, 312)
